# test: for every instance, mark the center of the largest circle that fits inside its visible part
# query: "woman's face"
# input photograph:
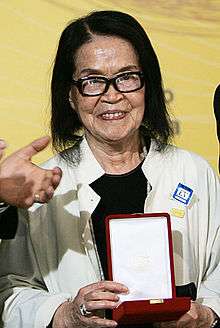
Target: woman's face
(113, 116)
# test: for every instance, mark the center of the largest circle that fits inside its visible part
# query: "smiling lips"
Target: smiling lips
(113, 116)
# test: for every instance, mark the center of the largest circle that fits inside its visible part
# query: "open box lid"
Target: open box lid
(140, 255)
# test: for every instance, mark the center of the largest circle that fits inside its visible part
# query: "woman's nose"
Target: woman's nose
(112, 95)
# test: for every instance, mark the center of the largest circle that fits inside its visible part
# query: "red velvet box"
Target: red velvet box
(140, 255)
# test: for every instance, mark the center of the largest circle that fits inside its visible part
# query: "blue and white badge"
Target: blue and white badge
(183, 194)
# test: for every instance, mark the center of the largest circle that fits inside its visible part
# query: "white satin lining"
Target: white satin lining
(140, 257)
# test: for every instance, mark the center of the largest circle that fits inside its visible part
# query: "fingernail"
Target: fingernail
(126, 290)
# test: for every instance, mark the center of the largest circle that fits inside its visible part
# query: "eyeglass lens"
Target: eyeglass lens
(126, 82)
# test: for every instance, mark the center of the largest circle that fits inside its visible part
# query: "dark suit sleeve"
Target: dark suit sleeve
(8, 223)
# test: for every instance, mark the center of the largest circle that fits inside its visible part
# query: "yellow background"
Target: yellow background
(186, 37)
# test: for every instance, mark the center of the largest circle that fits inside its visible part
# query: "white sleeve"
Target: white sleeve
(24, 299)
(209, 290)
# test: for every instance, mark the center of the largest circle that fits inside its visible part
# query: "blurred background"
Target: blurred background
(185, 35)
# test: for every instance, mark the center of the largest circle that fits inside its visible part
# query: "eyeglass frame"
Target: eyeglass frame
(108, 82)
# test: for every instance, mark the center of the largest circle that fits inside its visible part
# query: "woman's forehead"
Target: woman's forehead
(105, 51)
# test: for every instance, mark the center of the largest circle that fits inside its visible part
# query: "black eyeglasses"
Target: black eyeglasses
(98, 85)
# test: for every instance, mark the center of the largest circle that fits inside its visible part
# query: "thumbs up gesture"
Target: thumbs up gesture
(21, 182)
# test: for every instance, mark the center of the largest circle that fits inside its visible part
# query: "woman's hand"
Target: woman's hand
(95, 297)
(199, 316)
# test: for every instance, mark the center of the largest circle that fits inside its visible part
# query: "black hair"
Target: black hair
(65, 124)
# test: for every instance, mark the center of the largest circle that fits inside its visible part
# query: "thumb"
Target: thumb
(34, 147)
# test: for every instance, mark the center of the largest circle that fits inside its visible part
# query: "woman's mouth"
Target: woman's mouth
(113, 116)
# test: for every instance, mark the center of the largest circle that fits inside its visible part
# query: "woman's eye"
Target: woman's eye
(94, 81)
(91, 81)
(123, 78)
(126, 77)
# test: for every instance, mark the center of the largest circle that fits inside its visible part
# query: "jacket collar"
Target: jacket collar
(88, 169)
(155, 162)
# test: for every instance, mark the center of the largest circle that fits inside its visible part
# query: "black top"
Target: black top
(120, 194)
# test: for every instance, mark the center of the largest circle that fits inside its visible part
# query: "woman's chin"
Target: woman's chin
(116, 138)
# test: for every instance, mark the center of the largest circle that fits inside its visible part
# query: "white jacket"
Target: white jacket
(53, 254)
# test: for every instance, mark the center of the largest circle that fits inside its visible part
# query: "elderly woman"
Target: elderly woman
(111, 130)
